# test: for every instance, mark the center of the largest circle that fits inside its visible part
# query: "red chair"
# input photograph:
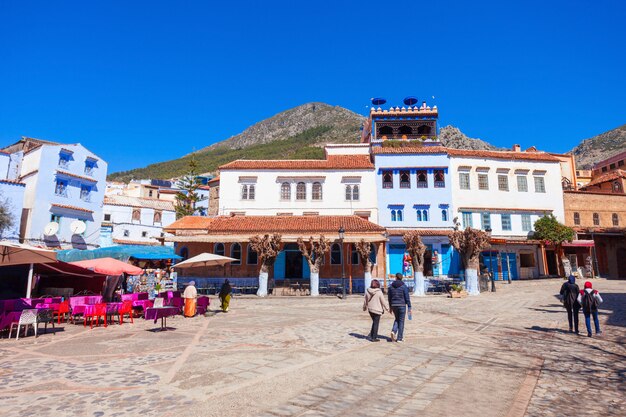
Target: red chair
(64, 309)
(125, 308)
(97, 311)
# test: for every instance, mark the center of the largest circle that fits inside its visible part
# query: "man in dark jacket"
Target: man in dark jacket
(569, 293)
(399, 300)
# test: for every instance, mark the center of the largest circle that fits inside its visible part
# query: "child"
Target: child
(589, 299)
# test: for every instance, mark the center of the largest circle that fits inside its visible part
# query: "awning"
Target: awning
(579, 244)
(121, 253)
(64, 269)
(109, 266)
(20, 254)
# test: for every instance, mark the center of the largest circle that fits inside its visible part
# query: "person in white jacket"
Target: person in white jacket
(375, 303)
(590, 299)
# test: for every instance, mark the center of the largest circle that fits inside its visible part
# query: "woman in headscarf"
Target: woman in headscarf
(190, 295)
(225, 294)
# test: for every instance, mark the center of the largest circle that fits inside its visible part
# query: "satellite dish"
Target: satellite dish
(409, 101)
(378, 101)
(77, 227)
(51, 229)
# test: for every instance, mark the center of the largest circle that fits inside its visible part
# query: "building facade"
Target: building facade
(11, 196)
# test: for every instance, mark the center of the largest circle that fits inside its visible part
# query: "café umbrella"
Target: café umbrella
(205, 259)
(21, 254)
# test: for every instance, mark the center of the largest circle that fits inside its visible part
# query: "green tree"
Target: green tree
(188, 197)
(6, 219)
(551, 232)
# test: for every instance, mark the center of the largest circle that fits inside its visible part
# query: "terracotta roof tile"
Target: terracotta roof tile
(127, 201)
(68, 207)
(511, 155)
(606, 177)
(331, 162)
(190, 223)
(16, 182)
(81, 177)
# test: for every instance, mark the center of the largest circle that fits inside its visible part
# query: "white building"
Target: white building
(135, 220)
(11, 195)
(343, 183)
(505, 192)
(63, 192)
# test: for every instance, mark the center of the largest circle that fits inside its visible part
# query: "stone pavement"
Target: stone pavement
(502, 354)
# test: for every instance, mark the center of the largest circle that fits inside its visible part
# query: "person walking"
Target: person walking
(569, 295)
(399, 300)
(190, 295)
(375, 304)
(225, 295)
(590, 299)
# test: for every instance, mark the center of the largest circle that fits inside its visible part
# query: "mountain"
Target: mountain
(452, 137)
(600, 147)
(297, 133)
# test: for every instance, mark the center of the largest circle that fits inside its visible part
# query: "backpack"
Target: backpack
(589, 302)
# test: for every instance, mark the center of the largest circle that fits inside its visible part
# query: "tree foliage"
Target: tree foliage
(364, 249)
(6, 218)
(550, 231)
(314, 252)
(267, 248)
(416, 249)
(469, 243)
(188, 197)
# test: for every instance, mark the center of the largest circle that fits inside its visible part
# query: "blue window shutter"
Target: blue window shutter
(279, 266)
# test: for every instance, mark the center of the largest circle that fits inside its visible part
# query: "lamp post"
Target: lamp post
(342, 234)
(493, 283)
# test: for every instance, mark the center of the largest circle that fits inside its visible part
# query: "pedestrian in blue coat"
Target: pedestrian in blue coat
(399, 300)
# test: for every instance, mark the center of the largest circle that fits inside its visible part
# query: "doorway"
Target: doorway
(293, 262)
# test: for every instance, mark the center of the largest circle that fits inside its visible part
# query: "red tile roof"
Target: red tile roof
(422, 232)
(532, 156)
(331, 162)
(16, 182)
(65, 206)
(277, 224)
(606, 177)
(70, 174)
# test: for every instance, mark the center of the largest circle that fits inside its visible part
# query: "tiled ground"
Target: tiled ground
(502, 354)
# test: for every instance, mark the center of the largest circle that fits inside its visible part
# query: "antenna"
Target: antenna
(410, 100)
(77, 227)
(51, 229)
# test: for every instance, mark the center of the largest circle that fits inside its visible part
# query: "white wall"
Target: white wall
(121, 219)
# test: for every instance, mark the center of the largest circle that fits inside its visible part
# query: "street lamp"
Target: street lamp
(342, 235)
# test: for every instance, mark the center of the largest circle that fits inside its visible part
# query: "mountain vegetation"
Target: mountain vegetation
(600, 147)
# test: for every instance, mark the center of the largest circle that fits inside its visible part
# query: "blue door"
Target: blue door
(279, 266)
(306, 270)
(512, 265)
(396, 258)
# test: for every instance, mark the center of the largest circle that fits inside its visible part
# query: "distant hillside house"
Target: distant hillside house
(63, 192)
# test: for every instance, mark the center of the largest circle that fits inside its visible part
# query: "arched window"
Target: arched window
(184, 253)
(576, 218)
(444, 215)
(301, 191)
(355, 193)
(136, 215)
(596, 219)
(348, 192)
(235, 252)
(316, 192)
(252, 257)
(419, 215)
(218, 249)
(388, 179)
(399, 215)
(617, 187)
(423, 130)
(405, 179)
(354, 255)
(615, 219)
(385, 130)
(422, 179)
(285, 191)
(393, 216)
(335, 254)
(405, 130)
(425, 215)
(157, 216)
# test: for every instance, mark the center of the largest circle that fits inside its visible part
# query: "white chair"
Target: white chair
(158, 302)
(27, 318)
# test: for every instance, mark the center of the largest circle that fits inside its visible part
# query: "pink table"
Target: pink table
(155, 313)
(9, 317)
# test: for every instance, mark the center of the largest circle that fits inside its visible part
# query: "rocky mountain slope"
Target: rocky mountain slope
(600, 147)
(452, 137)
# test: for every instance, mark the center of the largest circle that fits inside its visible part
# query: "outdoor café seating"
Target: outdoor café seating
(203, 304)
(95, 311)
(27, 318)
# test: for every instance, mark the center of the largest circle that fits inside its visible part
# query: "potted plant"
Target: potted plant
(457, 291)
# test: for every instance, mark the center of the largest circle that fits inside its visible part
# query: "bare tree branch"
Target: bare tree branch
(416, 249)
(267, 248)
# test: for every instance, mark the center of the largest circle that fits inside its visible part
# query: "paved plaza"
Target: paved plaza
(502, 354)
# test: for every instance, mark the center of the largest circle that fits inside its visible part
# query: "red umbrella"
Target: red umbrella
(109, 266)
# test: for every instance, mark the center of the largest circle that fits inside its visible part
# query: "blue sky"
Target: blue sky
(145, 81)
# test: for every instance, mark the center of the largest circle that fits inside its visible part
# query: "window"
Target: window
(136, 216)
(348, 192)
(355, 192)
(405, 130)
(612, 166)
(55, 218)
(126, 233)
(464, 180)
(218, 249)
(285, 191)
(316, 193)
(301, 191)
(354, 255)
(157, 217)
(485, 221)
(527, 226)
(596, 219)
(617, 187)
(615, 219)
(61, 188)
(90, 166)
(385, 130)
(253, 257)
(425, 215)
(396, 215)
(604, 169)
(107, 217)
(540, 186)
(144, 234)
(422, 179)
(150, 193)
(418, 215)
(577, 218)
(503, 182)
(335, 254)
(247, 192)
(467, 219)
(85, 193)
(620, 163)
(405, 179)
(399, 215)
(387, 179)
(444, 215)
(483, 182)
(235, 252)
(522, 183)
(506, 221)
(64, 160)
(440, 178)
(526, 260)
